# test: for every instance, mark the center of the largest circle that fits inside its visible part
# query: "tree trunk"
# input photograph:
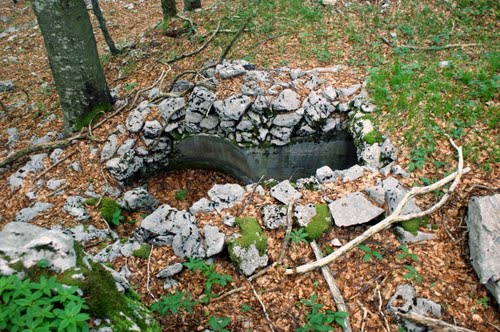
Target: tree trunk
(190, 5)
(169, 9)
(104, 27)
(73, 58)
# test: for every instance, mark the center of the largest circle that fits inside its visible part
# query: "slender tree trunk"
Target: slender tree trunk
(73, 58)
(190, 5)
(169, 9)
(104, 27)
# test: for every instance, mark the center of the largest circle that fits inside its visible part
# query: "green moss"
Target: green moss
(373, 137)
(143, 251)
(413, 225)
(92, 116)
(91, 201)
(107, 208)
(320, 223)
(251, 233)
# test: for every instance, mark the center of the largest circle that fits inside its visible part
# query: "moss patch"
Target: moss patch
(251, 233)
(373, 137)
(142, 252)
(107, 208)
(413, 225)
(92, 116)
(320, 223)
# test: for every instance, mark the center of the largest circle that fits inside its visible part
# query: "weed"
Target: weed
(245, 307)
(212, 277)
(218, 324)
(321, 320)
(130, 86)
(111, 211)
(171, 304)
(412, 274)
(181, 194)
(298, 235)
(370, 253)
(484, 302)
(406, 254)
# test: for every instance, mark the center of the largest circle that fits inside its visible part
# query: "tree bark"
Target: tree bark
(169, 9)
(190, 5)
(104, 28)
(73, 58)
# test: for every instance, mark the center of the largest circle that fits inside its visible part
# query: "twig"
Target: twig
(394, 217)
(266, 315)
(235, 38)
(332, 285)
(286, 240)
(432, 323)
(149, 272)
(250, 198)
(443, 222)
(191, 23)
(381, 312)
(231, 292)
(51, 167)
(198, 50)
(428, 48)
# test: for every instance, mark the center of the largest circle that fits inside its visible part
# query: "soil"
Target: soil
(447, 276)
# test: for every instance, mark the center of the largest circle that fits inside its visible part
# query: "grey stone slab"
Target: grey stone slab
(353, 209)
(284, 192)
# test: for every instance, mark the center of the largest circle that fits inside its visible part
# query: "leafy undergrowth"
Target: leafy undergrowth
(422, 95)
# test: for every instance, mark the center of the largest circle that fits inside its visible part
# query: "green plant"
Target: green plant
(173, 303)
(212, 277)
(181, 194)
(42, 263)
(130, 86)
(320, 223)
(370, 253)
(218, 324)
(321, 320)
(298, 235)
(245, 307)
(373, 137)
(412, 274)
(111, 211)
(142, 252)
(484, 302)
(43, 305)
(406, 253)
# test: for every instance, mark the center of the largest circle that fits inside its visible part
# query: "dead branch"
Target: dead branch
(55, 165)
(286, 240)
(394, 217)
(266, 315)
(332, 285)
(149, 271)
(198, 50)
(432, 323)
(428, 48)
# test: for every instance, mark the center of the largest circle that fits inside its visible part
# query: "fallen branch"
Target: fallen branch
(198, 50)
(289, 226)
(149, 271)
(332, 285)
(432, 323)
(266, 315)
(55, 165)
(394, 217)
(428, 48)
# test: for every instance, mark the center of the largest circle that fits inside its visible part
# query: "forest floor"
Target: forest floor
(421, 99)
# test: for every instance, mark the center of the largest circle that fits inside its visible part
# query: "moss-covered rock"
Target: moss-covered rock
(142, 252)
(107, 208)
(251, 233)
(320, 223)
(373, 137)
(413, 225)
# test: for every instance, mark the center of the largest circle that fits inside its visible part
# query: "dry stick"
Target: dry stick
(377, 289)
(432, 323)
(428, 48)
(149, 271)
(332, 285)
(289, 226)
(191, 23)
(51, 167)
(198, 50)
(266, 315)
(394, 217)
(250, 198)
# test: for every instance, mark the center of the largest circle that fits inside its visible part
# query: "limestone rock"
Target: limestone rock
(284, 192)
(325, 175)
(22, 242)
(200, 101)
(483, 222)
(407, 237)
(353, 209)
(109, 148)
(170, 107)
(214, 240)
(352, 173)
(249, 259)
(135, 120)
(274, 216)
(288, 120)
(6, 86)
(74, 207)
(29, 213)
(139, 199)
(233, 107)
(287, 101)
(202, 205)
(35, 165)
(126, 167)
(376, 193)
(170, 271)
(304, 213)
(53, 184)
(229, 69)
(394, 193)
(226, 195)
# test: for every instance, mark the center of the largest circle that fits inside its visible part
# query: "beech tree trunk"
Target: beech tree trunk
(190, 5)
(104, 27)
(169, 9)
(73, 58)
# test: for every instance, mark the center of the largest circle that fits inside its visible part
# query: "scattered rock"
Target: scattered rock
(29, 213)
(352, 173)
(484, 240)
(202, 205)
(287, 101)
(233, 107)
(53, 184)
(353, 209)
(29, 244)
(214, 240)
(394, 193)
(407, 237)
(274, 216)
(226, 195)
(249, 259)
(74, 207)
(284, 192)
(170, 271)
(6, 86)
(325, 175)
(376, 193)
(304, 214)
(109, 148)
(139, 199)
